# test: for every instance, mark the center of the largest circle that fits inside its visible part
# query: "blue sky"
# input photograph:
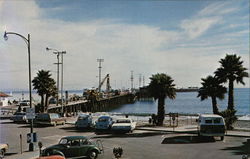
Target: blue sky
(184, 39)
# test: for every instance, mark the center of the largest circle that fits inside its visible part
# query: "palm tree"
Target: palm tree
(212, 88)
(45, 86)
(231, 70)
(160, 87)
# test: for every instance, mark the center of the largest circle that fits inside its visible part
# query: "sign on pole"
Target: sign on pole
(30, 113)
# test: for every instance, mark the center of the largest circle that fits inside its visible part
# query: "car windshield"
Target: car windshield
(82, 117)
(123, 121)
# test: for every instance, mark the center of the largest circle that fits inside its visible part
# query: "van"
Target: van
(84, 121)
(211, 125)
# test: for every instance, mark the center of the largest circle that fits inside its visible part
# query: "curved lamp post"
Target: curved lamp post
(58, 53)
(27, 41)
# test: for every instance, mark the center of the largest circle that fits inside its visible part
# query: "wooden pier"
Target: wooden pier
(102, 105)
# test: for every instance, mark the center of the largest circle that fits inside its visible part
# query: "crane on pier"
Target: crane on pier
(108, 87)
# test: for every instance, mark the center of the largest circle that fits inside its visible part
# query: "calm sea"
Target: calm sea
(185, 102)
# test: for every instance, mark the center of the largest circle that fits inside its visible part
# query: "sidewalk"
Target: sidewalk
(192, 129)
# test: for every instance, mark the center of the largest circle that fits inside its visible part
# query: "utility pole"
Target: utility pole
(58, 53)
(143, 81)
(100, 69)
(132, 80)
(139, 81)
(58, 63)
(63, 52)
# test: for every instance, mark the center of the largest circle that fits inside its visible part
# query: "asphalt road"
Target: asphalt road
(136, 145)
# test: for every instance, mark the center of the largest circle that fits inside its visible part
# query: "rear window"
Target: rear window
(19, 113)
(123, 121)
(217, 120)
(43, 116)
(54, 116)
(208, 121)
(102, 119)
(82, 117)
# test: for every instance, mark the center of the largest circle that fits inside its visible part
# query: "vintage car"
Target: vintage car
(49, 119)
(123, 125)
(3, 149)
(211, 125)
(104, 123)
(84, 121)
(75, 147)
(19, 117)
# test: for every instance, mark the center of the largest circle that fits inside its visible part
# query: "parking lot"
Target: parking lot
(140, 144)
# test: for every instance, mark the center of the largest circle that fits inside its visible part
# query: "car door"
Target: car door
(84, 145)
(73, 149)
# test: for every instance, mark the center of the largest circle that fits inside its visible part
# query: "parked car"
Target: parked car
(211, 125)
(3, 149)
(24, 103)
(19, 117)
(123, 125)
(104, 123)
(52, 101)
(84, 121)
(75, 147)
(49, 119)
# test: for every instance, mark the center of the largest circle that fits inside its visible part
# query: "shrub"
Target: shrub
(230, 118)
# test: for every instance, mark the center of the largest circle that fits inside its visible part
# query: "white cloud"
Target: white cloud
(196, 27)
(124, 47)
(218, 8)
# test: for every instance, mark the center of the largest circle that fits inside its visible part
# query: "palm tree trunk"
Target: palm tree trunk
(42, 103)
(214, 103)
(231, 95)
(46, 103)
(161, 111)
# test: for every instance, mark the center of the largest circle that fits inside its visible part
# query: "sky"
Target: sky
(184, 39)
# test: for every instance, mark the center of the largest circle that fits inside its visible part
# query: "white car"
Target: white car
(123, 125)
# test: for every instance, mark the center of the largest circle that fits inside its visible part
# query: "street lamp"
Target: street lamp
(27, 41)
(58, 53)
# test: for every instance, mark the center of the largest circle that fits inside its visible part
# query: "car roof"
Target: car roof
(105, 116)
(74, 137)
(210, 115)
(123, 119)
(84, 115)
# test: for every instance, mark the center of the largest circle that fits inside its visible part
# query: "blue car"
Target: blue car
(104, 123)
(84, 121)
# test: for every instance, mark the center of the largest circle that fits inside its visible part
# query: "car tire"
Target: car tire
(2, 153)
(222, 138)
(92, 154)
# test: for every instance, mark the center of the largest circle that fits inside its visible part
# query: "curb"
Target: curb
(189, 132)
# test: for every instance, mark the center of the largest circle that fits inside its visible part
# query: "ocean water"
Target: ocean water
(188, 103)
(185, 103)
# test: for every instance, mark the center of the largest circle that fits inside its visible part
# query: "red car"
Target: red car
(52, 157)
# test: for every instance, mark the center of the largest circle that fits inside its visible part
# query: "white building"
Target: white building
(4, 99)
